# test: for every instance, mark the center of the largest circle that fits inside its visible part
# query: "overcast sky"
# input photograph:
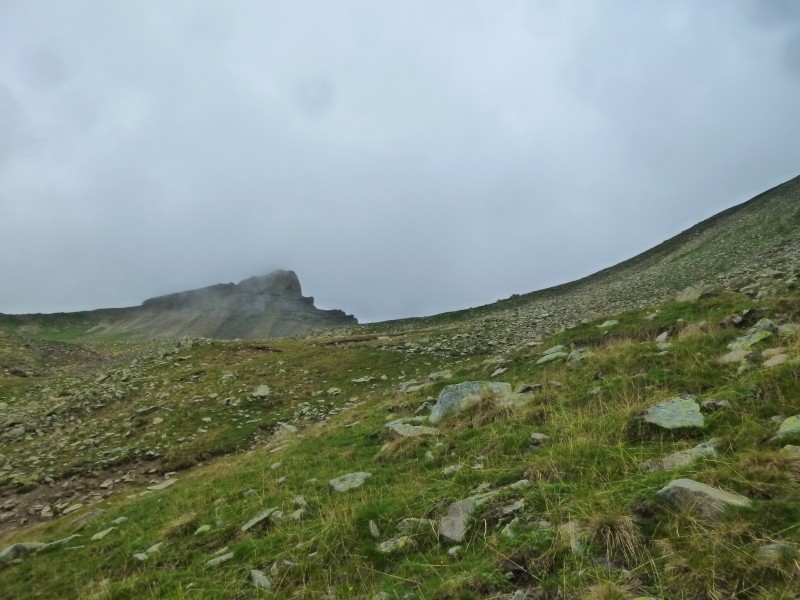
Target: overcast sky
(404, 158)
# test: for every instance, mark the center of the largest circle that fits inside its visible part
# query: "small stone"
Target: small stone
(607, 324)
(408, 430)
(699, 498)
(789, 427)
(682, 458)
(101, 534)
(163, 485)
(714, 405)
(737, 356)
(539, 439)
(554, 350)
(154, 548)
(300, 502)
(219, 559)
(529, 388)
(349, 481)
(776, 360)
(258, 519)
(412, 525)
(141, 556)
(395, 544)
(73, 508)
(774, 552)
(547, 358)
(260, 580)
(498, 371)
(202, 529)
(262, 391)
(374, 531)
(455, 552)
(571, 531)
(119, 520)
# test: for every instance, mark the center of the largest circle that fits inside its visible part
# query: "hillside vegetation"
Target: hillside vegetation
(651, 451)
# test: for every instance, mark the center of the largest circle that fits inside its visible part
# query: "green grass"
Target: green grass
(588, 472)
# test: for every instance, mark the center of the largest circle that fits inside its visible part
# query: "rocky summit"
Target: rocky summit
(632, 435)
(268, 306)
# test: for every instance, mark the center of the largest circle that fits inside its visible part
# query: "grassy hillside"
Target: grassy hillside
(588, 524)
(630, 445)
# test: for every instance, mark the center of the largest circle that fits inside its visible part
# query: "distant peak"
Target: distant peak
(278, 283)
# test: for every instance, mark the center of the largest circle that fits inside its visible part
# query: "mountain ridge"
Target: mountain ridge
(265, 306)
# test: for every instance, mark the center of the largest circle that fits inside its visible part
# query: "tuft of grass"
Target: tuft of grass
(616, 535)
(180, 526)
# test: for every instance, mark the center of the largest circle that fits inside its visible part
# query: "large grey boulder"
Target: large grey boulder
(703, 500)
(679, 414)
(460, 396)
(18, 551)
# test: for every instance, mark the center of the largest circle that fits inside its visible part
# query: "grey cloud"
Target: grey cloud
(403, 159)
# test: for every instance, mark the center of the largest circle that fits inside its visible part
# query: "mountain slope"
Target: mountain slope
(739, 248)
(260, 307)
(205, 468)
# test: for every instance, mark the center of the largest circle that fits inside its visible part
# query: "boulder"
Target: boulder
(679, 414)
(460, 396)
(395, 544)
(703, 500)
(760, 331)
(682, 458)
(349, 481)
(18, 551)
(789, 428)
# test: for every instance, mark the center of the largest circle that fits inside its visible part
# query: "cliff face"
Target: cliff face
(260, 307)
(267, 306)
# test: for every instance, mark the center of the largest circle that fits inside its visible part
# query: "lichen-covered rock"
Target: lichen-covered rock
(682, 458)
(700, 499)
(460, 396)
(395, 544)
(679, 414)
(349, 481)
(760, 331)
(410, 428)
(789, 428)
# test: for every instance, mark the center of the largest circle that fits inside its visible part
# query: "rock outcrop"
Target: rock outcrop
(268, 306)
